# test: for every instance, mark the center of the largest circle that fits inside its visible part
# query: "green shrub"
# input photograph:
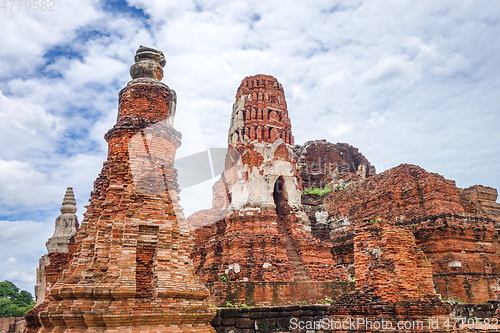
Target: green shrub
(14, 302)
(319, 191)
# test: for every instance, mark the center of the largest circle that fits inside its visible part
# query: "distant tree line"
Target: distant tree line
(14, 302)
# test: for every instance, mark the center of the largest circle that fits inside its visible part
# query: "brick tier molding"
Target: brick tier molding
(131, 270)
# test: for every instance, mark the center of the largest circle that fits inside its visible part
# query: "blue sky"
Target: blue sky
(404, 81)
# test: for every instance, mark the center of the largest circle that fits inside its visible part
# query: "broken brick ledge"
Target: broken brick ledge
(267, 293)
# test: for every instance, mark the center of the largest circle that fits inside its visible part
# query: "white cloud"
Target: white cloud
(22, 184)
(27, 34)
(27, 126)
(21, 244)
(17, 232)
(19, 277)
(197, 197)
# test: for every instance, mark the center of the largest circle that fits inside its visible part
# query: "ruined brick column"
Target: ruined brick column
(265, 234)
(131, 271)
(59, 248)
(393, 283)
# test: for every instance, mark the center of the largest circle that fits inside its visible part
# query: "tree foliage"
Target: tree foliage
(14, 302)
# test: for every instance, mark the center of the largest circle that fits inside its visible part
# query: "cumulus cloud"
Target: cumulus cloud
(19, 277)
(21, 244)
(28, 126)
(28, 34)
(22, 184)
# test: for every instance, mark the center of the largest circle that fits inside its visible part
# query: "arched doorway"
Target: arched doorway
(279, 196)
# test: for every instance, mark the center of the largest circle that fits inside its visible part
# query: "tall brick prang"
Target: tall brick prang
(131, 271)
(261, 133)
(263, 235)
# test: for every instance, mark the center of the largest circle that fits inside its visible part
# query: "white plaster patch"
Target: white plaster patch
(321, 217)
(376, 253)
(306, 228)
(304, 218)
(234, 267)
(455, 264)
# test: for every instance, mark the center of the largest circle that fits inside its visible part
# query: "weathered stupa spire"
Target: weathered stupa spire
(131, 271)
(65, 225)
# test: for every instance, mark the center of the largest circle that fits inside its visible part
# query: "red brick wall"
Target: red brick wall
(12, 325)
(144, 271)
(320, 161)
(389, 263)
(254, 240)
(463, 255)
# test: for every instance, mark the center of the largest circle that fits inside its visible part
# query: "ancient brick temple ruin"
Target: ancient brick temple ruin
(131, 270)
(290, 225)
(461, 243)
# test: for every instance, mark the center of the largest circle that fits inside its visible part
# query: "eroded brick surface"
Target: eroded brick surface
(461, 247)
(481, 200)
(393, 279)
(12, 325)
(269, 293)
(321, 163)
(403, 192)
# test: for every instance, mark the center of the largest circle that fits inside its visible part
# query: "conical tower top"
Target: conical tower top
(260, 112)
(69, 202)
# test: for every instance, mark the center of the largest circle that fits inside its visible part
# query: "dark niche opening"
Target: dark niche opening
(279, 197)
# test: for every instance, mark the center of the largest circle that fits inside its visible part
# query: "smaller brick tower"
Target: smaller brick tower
(60, 248)
(131, 271)
(264, 233)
